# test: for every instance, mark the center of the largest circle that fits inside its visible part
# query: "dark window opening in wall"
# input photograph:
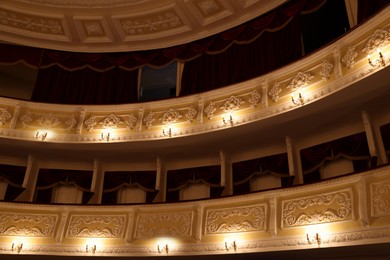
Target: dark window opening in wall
(324, 25)
(11, 180)
(158, 83)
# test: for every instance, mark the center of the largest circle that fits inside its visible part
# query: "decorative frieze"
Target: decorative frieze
(39, 24)
(380, 199)
(171, 116)
(153, 23)
(176, 224)
(27, 224)
(231, 104)
(48, 121)
(236, 219)
(96, 226)
(322, 208)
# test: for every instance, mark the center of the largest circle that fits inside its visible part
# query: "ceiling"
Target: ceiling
(121, 25)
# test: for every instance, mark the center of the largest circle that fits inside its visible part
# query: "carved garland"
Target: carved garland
(96, 226)
(236, 219)
(318, 209)
(30, 225)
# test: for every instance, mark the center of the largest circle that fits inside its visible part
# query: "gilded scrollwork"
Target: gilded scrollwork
(323, 208)
(231, 104)
(102, 226)
(302, 79)
(275, 91)
(164, 224)
(26, 224)
(171, 116)
(110, 122)
(377, 40)
(236, 219)
(349, 57)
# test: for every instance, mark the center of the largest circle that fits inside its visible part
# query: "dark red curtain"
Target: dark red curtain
(274, 164)
(354, 147)
(115, 180)
(14, 176)
(241, 62)
(368, 8)
(210, 175)
(85, 86)
(48, 178)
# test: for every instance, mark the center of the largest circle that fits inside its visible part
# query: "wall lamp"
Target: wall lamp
(228, 120)
(230, 245)
(41, 135)
(379, 61)
(105, 136)
(18, 246)
(90, 248)
(168, 132)
(162, 248)
(297, 98)
(315, 238)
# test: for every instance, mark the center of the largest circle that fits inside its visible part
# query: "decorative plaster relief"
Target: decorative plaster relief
(28, 225)
(210, 109)
(149, 119)
(32, 23)
(326, 69)
(26, 119)
(90, 123)
(152, 23)
(48, 121)
(71, 122)
(322, 208)
(302, 79)
(191, 113)
(110, 122)
(236, 219)
(380, 199)
(274, 92)
(93, 28)
(233, 103)
(102, 226)
(4, 116)
(178, 224)
(208, 7)
(131, 121)
(349, 57)
(377, 40)
(171, 116)
(254, 98)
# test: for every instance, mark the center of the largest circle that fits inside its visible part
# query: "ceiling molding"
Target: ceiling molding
(121, 25)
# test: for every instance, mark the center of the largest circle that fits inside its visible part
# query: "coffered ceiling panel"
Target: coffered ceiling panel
(121, 25)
